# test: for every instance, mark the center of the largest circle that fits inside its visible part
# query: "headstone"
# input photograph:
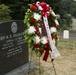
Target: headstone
(13, 49)
(66, 34)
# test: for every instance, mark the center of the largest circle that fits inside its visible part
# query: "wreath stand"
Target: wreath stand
(39, 66)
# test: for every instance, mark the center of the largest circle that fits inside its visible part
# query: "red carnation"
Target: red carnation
(53, 24)
(50, 16)
(32, 20)
(39, 35)
(37, 28)
(52, 36)
(34, 5)
(41, 50)
(36, 45)
(33, 8)
(56, 37)
(47, 44)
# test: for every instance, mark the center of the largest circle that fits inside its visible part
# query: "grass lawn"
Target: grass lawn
(64, 65)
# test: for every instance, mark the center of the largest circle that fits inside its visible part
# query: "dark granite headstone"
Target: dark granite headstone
(13, 49)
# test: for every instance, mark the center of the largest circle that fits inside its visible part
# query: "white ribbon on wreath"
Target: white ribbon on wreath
(54, 52)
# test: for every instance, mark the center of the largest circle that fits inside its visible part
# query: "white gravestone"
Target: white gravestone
(66, 34)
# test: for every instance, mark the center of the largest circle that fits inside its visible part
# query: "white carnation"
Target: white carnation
(31, 30)
(53, 29)
(57, 23)
(37, 39)
(37, 16)
(44, 40)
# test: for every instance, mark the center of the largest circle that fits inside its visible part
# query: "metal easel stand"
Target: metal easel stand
(30, 58)
(48, 68)
(54, 67)
(30, 61)
(39, 66)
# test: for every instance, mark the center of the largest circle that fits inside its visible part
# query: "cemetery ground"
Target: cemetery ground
(64, 64)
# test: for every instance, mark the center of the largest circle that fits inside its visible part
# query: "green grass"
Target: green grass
(67, 44)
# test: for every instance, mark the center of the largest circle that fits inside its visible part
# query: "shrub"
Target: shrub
(4, 12)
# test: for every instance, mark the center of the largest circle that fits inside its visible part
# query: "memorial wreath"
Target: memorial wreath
(36, 34)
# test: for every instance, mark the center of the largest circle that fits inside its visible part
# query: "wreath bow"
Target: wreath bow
(44, 8)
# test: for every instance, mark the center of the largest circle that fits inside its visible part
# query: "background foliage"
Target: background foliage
(4, 12)
(65, 8)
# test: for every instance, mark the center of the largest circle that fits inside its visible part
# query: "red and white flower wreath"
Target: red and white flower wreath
(35, 33)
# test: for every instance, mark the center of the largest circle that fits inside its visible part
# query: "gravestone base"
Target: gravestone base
(22, 70)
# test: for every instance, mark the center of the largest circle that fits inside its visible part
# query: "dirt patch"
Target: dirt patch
(64, 64)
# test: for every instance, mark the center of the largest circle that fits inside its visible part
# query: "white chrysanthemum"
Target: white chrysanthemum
(53, 29)
(44, 40)
(57, 23)
(37, 16)
(40, 30)
(53, 13)
(31, 30)
(37, 39)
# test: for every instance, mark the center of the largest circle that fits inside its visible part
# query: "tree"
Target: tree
(72, 9)
(4, 12)
(18, 8)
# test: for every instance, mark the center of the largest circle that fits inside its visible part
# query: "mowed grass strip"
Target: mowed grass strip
(67, 44)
